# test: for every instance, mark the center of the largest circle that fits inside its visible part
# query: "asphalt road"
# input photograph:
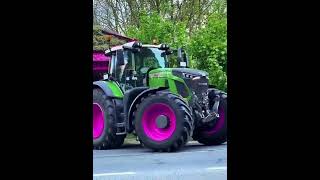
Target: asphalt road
(194, 162)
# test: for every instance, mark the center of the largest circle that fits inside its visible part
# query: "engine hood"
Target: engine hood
(193, 72)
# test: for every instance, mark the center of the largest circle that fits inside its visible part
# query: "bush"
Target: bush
(208, 50)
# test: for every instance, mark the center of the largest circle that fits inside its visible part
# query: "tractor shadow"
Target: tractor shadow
(191, 146)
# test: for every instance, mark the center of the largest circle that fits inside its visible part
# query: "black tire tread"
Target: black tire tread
(219, 137)
(188, 120)
(111, 140)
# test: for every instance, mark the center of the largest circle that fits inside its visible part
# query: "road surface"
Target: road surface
(194, 162)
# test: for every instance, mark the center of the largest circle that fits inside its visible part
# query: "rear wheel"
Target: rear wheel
(163, 122)
(104, 122)
(216, 133)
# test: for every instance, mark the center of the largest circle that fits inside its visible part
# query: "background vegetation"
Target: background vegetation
(200, 26)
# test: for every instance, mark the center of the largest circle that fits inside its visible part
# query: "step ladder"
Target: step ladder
(121, 127)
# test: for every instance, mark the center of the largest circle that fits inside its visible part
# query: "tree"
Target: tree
(153, 26)
(208, 49)
(198, 25)
(120, 15)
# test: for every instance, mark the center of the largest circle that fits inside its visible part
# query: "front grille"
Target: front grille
(198, 86)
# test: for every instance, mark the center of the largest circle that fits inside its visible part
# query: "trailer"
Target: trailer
(100, 60)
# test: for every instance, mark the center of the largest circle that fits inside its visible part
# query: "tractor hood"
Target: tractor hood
(179, 72)
(189, 72)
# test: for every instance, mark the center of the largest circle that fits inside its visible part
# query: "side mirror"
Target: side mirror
(183, 58)
(168, 52)
(186, 59)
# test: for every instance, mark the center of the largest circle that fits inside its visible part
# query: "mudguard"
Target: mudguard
(135, 101)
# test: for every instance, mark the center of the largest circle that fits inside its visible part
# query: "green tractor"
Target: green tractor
(164, 103)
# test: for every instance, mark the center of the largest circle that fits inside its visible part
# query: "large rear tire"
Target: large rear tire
(163, 122)
(215, 134)
(104, 122)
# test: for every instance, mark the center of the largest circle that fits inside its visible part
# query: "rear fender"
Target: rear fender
(110, 88)
(130, 125)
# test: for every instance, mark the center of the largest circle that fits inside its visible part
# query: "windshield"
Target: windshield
(150, 57)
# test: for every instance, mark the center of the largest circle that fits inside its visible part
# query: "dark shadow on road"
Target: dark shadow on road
(131, 146)
(189, 147)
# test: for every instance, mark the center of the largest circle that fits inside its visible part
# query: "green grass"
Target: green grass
(131, 139)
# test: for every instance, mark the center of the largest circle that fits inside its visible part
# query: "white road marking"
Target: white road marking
(114, 174)
(217, 168)
(133, 173)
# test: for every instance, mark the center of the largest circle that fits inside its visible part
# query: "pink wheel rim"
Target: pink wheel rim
(98, 121)
(149, 124)
(218, 125)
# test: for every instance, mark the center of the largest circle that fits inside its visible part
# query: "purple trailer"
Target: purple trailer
(100, 64)
(100, 61)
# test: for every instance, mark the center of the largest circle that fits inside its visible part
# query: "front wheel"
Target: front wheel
(214, 134)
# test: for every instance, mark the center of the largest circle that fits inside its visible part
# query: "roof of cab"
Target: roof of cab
(115, 48)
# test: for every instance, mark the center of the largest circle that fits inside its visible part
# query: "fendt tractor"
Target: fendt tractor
(164, 106)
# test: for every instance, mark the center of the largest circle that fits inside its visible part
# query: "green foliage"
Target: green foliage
(100, 42)
(208, 50)
(153, 26)
(201, 31)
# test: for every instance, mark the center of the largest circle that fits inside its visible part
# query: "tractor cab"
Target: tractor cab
(131, 62)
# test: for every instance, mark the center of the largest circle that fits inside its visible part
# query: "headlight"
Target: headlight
(186, 75)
